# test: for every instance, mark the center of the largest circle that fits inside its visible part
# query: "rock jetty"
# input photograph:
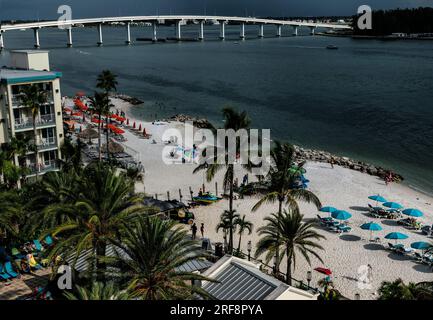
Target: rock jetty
(323, 156)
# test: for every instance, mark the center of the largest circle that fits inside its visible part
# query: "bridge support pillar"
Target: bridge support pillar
(69, 31)
(242, 35)
(2, 44)
(100, 41)
(128, 33)
(261, 31)
(222, 30)
(201, 32)
(178, 30)
(154, 30)
(279, 30)
(36, 34)
(295, 30)
(312, 31)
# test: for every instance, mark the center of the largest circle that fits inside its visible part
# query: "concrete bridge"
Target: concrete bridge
(178, 20)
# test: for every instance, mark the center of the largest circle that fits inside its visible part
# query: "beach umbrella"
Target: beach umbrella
(421, 245)
(372, 227)
(396, 236)
(413, 212)
(323, 271)
(328, 209)
(127, 122)
(144, 132)
(377, 198)
(113, 147)
(139, 128)
(88, 133)
(133, 126)
(341, 215)
(393, 205)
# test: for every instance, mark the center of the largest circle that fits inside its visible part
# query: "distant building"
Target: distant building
(240, 279)
(32, 67)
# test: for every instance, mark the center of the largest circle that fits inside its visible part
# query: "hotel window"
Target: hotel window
(49, 158)
(48, 135)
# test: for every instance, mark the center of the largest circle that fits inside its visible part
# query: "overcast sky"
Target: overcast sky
(47, 9)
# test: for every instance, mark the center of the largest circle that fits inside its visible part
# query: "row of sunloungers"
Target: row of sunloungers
(426, 258)
(333, 225)
(28, 258)
(378, 212)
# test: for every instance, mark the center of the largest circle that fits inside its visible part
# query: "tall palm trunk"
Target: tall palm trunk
(239, 244)
(289, 267)
(107, 137)
(99, 137)
(35, 144)
(277, 252)
(231, 208)
(100, 266)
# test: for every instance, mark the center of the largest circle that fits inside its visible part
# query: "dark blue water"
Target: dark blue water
(369, 100)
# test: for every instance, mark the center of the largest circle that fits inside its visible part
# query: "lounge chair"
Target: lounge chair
(38, 245)
(4, 275)
(10, 270)
(33, 263)
(343, 228)
(48, 240)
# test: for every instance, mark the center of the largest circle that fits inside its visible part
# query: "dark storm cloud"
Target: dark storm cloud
(47, 9)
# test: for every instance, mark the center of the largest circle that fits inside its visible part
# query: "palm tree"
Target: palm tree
(236, 121)
(153, 250)
(329, 291)
(33, 96)
(107, 82)
(98, 291)
(286, 233)
(278, 184)
(11, 214)
(398, 290)
(100, 104)
(104, 205)
(244, 225)
(72, 155)
(228, 224)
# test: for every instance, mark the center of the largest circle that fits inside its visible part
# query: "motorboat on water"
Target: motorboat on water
(332, 47)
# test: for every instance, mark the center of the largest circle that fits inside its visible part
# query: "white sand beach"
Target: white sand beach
(339, 187)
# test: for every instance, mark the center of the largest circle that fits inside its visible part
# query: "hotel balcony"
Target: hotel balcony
(44, 145)
(43, 167)
(47, 120)
(16, 101)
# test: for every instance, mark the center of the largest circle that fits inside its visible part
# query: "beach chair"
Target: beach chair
(10, 270)
(417, 256)
(33, 263)
(343, 228)
(4, 275)
(48, 240)
(38, 245)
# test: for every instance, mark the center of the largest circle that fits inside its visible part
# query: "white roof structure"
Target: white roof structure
(239, 279)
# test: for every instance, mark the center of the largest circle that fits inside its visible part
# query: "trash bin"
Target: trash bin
(219, 249)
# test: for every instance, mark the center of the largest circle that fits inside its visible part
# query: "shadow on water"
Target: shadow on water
(374, 246)
(422, 268)
(350, 237)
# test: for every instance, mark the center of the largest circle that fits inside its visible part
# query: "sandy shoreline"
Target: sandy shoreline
(340, 187)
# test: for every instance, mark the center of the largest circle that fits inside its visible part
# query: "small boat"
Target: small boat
(206, 199)
(332, 47)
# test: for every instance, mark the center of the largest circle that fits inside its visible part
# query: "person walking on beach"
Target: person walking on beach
(202, 230)
(331, 161)
(194, 231)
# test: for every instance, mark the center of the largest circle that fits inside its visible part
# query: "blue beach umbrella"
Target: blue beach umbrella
(413, 212)
(372, 227)
(393, 205)
(328, 209)
(396, 236)
(421, 245)
(377, 198)
(341, 215)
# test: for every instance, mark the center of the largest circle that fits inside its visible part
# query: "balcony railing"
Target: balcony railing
(17, 101)
(44, 144)
(43, 167)
(45, 120)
